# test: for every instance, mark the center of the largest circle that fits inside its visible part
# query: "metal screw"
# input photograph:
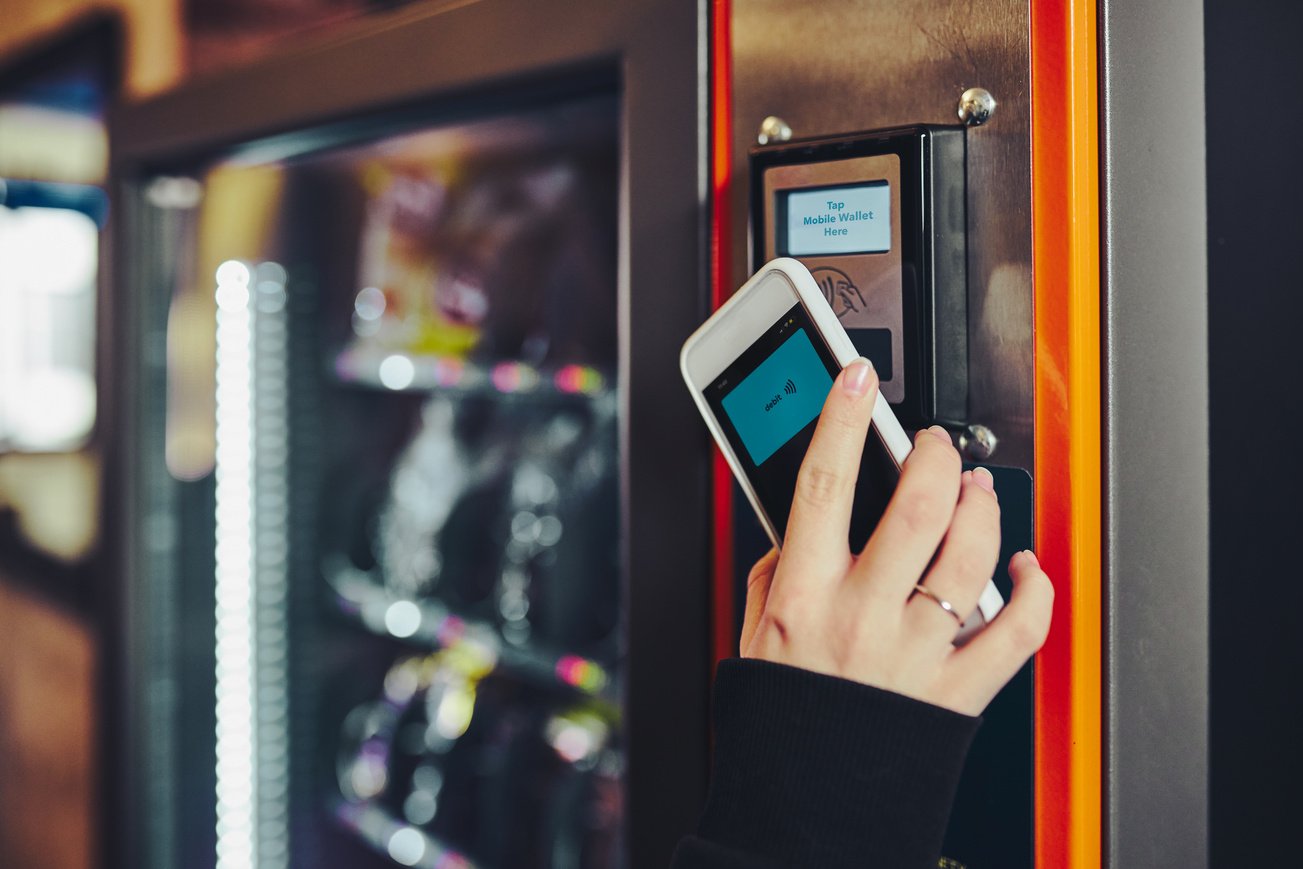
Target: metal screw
(978, 442)
(773, 129)
(976, 105)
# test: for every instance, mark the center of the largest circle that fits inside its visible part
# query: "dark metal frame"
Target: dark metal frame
(458, 54)
(1251, 70)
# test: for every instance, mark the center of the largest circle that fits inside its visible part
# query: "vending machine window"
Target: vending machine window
(393, 388)
(410, 525)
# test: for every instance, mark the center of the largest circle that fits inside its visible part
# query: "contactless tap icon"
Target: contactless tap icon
(840, 291)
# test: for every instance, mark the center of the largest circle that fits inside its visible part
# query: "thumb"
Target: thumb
(758, 582)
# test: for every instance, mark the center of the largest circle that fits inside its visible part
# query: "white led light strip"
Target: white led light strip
(271, 550)
(234, 575)
(251, 672)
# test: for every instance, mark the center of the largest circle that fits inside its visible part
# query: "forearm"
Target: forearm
(812, 770)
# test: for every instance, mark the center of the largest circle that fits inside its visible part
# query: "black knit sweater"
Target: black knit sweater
(816, 771)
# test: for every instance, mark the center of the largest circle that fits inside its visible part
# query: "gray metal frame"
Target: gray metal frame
(462, 50)
(1155, 305)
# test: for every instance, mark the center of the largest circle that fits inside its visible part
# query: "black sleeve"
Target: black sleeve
(812, 770)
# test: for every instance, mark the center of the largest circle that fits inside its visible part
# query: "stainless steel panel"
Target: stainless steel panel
(1153, 172)
(843, 65)
(839, 66)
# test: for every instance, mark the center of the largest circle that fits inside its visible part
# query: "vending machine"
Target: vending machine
(422, 555)
(413, 529)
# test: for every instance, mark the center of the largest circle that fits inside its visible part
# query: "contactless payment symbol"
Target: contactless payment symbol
(789, 387)
(840, 291)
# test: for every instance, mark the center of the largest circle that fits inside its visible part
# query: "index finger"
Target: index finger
(818, 526)
(917, 517)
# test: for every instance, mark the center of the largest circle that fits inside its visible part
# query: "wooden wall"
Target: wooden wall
(47, 733)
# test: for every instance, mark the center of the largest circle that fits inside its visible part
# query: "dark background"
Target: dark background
(1254, 74)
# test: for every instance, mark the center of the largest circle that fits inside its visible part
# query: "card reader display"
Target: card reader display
(835, 220)
(879, 219)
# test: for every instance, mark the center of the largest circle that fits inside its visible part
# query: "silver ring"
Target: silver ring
(939, 601)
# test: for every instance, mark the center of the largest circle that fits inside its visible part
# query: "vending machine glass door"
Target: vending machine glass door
(391, 418)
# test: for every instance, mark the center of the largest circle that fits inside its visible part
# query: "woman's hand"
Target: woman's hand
(821, 607)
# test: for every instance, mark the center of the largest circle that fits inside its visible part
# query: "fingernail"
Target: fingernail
(941, 433)
(855, 379)
(1032, 555)
(983, 478)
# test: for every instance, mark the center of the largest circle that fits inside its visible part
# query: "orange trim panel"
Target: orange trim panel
(1065, 230)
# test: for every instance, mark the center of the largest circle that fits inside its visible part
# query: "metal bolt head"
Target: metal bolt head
(978, 442)
(773, 129)
(976, 105)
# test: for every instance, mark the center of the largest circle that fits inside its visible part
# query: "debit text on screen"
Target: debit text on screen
(778, 398)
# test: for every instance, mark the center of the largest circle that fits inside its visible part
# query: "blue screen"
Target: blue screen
(778, 398)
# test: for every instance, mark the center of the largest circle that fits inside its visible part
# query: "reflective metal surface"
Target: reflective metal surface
(773, 129)
(978, 442)
(1155, 237)
(845, 65)
(976, 105)
(842, 66)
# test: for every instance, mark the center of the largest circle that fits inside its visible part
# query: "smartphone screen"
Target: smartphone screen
(768, 402)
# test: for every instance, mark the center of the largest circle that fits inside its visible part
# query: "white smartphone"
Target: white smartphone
(759, 370)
